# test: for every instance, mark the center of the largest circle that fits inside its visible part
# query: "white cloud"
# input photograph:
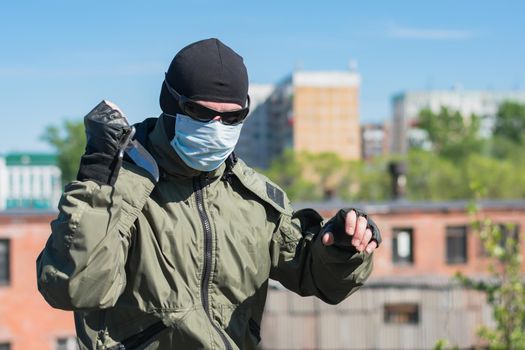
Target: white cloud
(398, 32)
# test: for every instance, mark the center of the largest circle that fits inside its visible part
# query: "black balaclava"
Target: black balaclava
(206, 70)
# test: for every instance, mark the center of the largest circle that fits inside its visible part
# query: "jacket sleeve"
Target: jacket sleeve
(82, 265)
(305, 266)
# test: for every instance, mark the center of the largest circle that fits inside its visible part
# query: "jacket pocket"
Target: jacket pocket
(238, 323)
(140, 340)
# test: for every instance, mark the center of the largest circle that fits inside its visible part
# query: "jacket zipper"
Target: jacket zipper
(198, 186)
(141, 338)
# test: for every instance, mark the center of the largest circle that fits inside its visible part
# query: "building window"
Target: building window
(66, 343)
(5, 346)
(402, 313)
(456, 242)
(507, 231)
(402, 246)
(4, 262)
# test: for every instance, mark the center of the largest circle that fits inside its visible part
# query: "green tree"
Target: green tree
(501, 147)
(506, 294)
(372, 181)
(510, 122)
(328, 169)
(307, 176)
(500, 178)
(287, 170)
(451, 134)
(442, 344)
(69, 141)
(431, 177)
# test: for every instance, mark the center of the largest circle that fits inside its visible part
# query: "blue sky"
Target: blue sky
(60, 58)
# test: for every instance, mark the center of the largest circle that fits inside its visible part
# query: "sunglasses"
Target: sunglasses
(204, 114)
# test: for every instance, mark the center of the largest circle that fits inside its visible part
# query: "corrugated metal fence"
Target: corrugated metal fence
(443, 312)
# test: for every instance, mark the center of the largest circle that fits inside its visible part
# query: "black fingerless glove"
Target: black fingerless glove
(108, 134)
(336, 225)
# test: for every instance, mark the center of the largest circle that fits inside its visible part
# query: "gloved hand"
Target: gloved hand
(352, 228)
(108, 134)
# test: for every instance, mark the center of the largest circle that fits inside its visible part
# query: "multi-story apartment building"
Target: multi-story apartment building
(407, 105)
(29, 180)
(325, 115)
(254, 143)
(314, 111)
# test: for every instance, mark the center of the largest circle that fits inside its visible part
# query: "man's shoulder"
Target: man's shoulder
(263, 187)
(143, 128)
(133, 178)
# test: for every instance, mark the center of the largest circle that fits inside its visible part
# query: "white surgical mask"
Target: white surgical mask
(204, 146)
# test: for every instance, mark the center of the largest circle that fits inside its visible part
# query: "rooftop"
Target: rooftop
(18, 212)
(326, 78)
(456, 92)
(35, 159)
(400, 206)
(407, 206)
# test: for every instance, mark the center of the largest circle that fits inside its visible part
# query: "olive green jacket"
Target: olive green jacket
(187, 266)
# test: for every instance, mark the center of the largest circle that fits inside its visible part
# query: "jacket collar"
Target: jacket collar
(159, 144)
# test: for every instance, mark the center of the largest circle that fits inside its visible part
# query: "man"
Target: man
(182, 261)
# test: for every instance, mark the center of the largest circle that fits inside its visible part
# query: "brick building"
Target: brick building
(408, 303)
(432, 238)
(26, 321)
(410, 300)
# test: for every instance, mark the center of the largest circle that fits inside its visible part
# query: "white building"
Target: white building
(407, 105)
(29, 181)
(253, 145)
(4, 183)
(374, 140)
